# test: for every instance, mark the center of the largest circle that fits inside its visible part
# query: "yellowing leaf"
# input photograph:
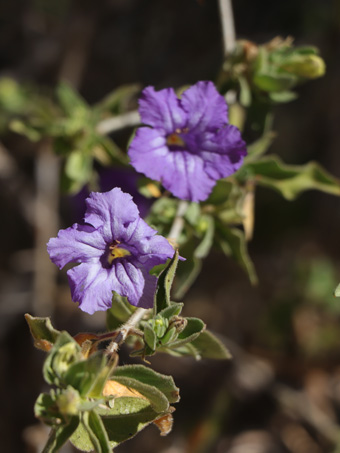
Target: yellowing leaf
(113, 388)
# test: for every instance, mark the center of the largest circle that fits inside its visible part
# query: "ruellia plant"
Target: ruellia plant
(199, 171)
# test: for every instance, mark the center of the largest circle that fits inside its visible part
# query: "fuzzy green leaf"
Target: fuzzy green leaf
(59, 436)
(291, 180)
(127, 417)
(150, 336)
(83, 375)
(158, 400)
(210, 347)
(150, 377)
(97, 432)
(119, 313)
(162, 296)
(42, 331)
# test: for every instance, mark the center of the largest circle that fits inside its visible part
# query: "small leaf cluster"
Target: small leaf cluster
(71, 125)
(271, 71)
(96, 404)
(164, 329)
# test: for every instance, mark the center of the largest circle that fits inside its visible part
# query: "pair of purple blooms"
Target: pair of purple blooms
(188, 147)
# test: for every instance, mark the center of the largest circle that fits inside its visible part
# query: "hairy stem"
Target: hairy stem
(115, 123)
(178, 222)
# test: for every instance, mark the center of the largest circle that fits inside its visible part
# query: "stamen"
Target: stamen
(116, 252)
(174, 139)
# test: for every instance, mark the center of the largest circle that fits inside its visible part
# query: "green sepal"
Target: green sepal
(150, 337)
(192, 330)
(60, 435)
(174, 309)
(64, 353)
(97, 432)
(291, 180)
(83, 374)
(146, 375)
(42, 331)
(119, 313)
(162, 296)
(170, 335)
(210, 347)
(158, 400)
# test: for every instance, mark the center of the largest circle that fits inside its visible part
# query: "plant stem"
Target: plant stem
(115, 123)
(178, 222)
(228, 27)
(125, 329)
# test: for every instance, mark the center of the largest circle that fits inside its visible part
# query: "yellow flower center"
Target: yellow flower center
(175, 140)
(117, 252)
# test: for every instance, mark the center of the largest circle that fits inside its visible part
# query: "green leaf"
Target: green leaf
(337, 291)
(119, 99)
(97, 432)
(158, 400)
(64, 353)
(59, 436)
(150, 336)
(192, 330)
(259, 147)
(162, 296)
(83, 375)
(42, 331)
(274, 82)
(78, 166)
(283, 96)
(174, 309)
(127, 417)
(204, 247)
(150, 377)
(210, 347)
(119, 313)
(70, 101)
(291, 180)
(220, 192)
(233, 243)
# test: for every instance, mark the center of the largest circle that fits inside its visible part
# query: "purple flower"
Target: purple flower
(116, 250)
(190, 144)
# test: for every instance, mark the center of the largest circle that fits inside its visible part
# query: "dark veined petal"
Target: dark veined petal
(79, 243)
(161, 109)
(91, 286)
(205, 107)
(135, 283)
(113, 212)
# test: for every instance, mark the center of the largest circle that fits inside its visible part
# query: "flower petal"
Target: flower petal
(161, 109)
(206, 108)
(76, 244)
(134, 283)
(91, 286)
(185, 177)
(114, 212)
(223, 152)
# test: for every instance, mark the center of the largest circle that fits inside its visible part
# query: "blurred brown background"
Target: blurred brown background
(281, 393)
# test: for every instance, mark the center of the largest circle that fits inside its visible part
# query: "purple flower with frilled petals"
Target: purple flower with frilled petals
(116, 250)
(190, 144)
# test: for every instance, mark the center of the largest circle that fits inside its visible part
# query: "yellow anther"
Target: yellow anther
(174, 139)
(117, 252)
